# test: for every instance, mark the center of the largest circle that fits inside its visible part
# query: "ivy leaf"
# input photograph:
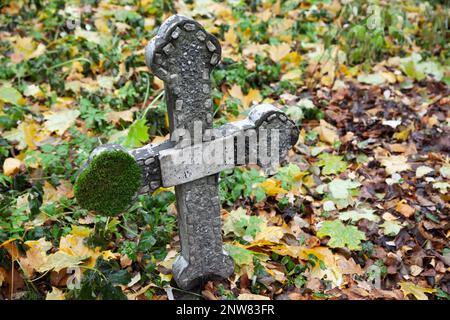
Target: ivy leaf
(341, 235)
(418, 292)
(147, 241)
(331, 164)
(137, 134)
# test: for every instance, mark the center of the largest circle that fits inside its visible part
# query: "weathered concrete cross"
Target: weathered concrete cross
(183, 55)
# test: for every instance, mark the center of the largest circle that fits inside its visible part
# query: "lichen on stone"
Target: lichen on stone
(109, 182)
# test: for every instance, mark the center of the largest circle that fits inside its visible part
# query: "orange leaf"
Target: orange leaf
(405, 209)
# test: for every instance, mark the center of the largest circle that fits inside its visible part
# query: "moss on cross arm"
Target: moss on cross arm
(109, 182)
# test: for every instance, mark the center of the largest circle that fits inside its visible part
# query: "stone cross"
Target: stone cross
(183, 55)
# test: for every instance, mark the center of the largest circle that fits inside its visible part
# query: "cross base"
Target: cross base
(187, 276)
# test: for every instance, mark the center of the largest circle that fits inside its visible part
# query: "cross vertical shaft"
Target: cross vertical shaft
(183, 55)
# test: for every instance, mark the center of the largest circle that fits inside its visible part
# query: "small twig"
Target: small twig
(69, 61)
(152, 104)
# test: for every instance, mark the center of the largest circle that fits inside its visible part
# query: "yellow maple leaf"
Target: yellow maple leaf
(55, 294)
(278, 52)
(270, 233)
(231, 38)
(418, 292)
(404, 133)
(324, 254)
(102, 25)
(253, 95)
(9, 246)
(25, 49)
(36, 255)
(25, 134)
(60, 121)
(272, 187)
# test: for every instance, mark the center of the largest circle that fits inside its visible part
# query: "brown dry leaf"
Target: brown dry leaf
(52, 194)
(327, 132)
(125, 261)
(3, 275)
(9, 246)
(65, 188)
(405, 209)
(115, 116)
(348, 266)
(11, 166)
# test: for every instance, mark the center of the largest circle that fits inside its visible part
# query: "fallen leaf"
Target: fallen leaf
(373, 79)
(391, 228)
(137, 134)
(60, 121)
(395, 164)
(55, 294)
(11, 166)
(11, 95)
(115, 116)
(341, 235)
(25, 49)
(327, 132)
(409, 288)
(331, 164)
(231, 38)
(270, 233)
(358, 214)
(423, 171)
(405, 209)
(278, 52)
(340, 188)
(272, 187)
(253, 96)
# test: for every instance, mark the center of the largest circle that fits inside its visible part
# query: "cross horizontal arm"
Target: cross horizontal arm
(231, 145)
(165, 165)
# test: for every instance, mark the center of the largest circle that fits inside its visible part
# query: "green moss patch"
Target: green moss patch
(108, 184)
